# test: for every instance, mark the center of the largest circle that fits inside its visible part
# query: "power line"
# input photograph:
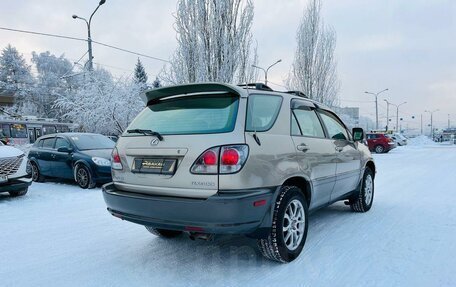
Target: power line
(84, 40)
(43, 34)
(131, 52)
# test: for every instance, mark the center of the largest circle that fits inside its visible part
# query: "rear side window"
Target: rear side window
(262, 112)
(372, 136)
(48, 143)
(308, 123)
(189, 115)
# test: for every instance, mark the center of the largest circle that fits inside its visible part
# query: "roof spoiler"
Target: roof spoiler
(154, 95)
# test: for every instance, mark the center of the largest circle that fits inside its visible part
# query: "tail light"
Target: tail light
(115, 160)
(223, 160)
(207, 163)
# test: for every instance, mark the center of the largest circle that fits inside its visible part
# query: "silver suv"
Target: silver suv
(221, 159)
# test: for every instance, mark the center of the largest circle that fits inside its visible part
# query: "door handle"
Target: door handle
(302, 147)
(339, 149)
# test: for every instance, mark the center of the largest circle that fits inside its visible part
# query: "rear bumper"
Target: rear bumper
(223, 213)
(16, 184)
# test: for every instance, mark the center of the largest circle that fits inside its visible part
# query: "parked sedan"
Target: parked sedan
(83, 157)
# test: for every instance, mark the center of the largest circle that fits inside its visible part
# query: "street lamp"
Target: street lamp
(432, 126)
(89, 38)
(397, 116)
(266, 70)
(376, 105)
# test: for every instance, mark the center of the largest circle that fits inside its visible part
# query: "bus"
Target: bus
(26, 130)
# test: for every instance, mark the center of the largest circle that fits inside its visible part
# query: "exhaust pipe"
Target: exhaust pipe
(202, 236)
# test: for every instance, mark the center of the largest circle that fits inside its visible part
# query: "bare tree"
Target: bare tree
(314, 67)
(214, 42)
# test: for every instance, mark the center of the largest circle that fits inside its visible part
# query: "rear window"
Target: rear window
(189, 115)
(262, 111)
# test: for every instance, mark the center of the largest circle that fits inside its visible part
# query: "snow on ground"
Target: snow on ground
(420, 141)
(60, 235)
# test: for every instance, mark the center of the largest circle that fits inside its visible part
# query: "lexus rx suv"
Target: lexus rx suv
(13, 171)
(213, 158)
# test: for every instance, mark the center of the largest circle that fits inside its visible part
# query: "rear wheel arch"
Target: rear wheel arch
(370, 164)
(303, 184)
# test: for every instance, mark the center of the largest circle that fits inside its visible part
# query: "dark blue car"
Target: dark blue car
(84, 157)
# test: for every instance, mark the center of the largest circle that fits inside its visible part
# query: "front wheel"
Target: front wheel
(84, 177)
(289, 226)
(165, 233)
(18, 193)
(364, 199)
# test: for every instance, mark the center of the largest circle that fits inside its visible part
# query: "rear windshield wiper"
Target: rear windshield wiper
(146, 133)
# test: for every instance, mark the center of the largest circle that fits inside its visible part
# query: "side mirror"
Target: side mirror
(64, 149)
(358, 134)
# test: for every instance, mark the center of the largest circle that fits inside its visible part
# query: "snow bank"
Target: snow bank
(420, 141)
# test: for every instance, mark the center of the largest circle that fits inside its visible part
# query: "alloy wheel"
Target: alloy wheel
(368, 189)
(293, 224)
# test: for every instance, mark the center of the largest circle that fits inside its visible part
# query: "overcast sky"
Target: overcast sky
(406, 46)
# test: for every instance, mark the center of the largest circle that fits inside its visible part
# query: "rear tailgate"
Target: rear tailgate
(163, 167)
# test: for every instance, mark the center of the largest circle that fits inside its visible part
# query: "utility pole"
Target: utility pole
(397, 116)
(266, 70)
(449, 121)
(376, 105)
(421, 123)
(397, 113)
(89, 37)
(387, 113)
(432, 126)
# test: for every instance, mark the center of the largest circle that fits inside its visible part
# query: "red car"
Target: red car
(380, 143)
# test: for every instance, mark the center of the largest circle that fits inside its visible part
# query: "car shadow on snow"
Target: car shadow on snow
(227, 255)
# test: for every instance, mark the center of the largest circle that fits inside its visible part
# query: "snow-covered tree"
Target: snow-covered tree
(15, 74)
(101, 104)
(140, 75)
(314, 67)
(214, 42)
(50, 81)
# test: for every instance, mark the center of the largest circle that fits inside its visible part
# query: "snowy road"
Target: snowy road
(60, 235)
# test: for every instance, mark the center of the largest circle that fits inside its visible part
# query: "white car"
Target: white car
(400, 139)
(13, 171)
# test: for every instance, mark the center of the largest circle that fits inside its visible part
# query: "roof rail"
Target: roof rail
(297, 93)
(256, 86)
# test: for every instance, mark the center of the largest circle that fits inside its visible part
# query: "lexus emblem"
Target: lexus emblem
(154, 141)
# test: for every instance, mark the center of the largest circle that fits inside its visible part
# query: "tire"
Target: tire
(18, 193)
(83, 177)
(364, 199)
(36, 174)
(165, 233)
(379, 149)
(275, 247)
